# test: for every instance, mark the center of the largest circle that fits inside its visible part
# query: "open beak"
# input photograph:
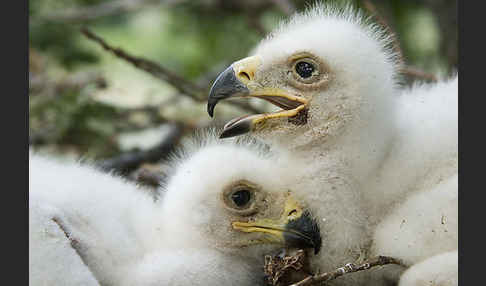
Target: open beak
(238, 80)
(296, 228)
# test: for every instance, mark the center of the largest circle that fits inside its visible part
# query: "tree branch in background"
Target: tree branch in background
(418, 73)
(145, 176)
(348, 268)
(406, 70)
(184, 86)
(181, 84)
(130, 161)
(285, 6)
(381, 20)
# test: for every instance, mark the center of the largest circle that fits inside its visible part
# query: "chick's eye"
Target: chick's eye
(241, 197)
(304, 69)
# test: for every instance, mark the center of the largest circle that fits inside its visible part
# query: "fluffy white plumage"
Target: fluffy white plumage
(200, 180)
(441, 269)
(52, 260)
(397, 147)
(125, 238)
(99, 211)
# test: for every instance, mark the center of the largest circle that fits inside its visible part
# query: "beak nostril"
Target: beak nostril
(244, 75)
(292, 212)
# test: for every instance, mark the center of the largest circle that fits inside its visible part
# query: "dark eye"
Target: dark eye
(241, 197)
(304, 69)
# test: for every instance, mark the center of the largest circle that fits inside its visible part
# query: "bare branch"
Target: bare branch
(74, 242)
(348, 268)
(130, 161)
(285, 6)
(407, 70)
(154, 69)
(278, 266)
(184, 86)
(382, 21)
(148, 177)
(417, 73)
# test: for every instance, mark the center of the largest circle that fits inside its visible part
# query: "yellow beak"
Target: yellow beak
(295, 228)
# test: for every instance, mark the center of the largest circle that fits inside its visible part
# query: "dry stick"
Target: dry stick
(381, 20)
(410, 71)
(130, 161)
(154, 69)
(74, 242)
(415, 72)
(184, 86)
(285, 6)
(348, 268)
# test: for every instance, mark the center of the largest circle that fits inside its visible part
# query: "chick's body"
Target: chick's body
(347, 117)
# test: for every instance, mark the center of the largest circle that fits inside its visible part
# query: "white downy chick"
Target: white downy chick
(334, 75)
(226, 205)
(420, 231)
(276, 192)
(85, 226)
(118, 229)
(441, 270)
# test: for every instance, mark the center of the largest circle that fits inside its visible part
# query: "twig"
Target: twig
(417, 73)
(381, 20)
(154, 69)
(74, 242)
(285, 6)
(184, 86)
(276, 267)
(148, 177)
(130, 161)
(348, 268)
(407, 70)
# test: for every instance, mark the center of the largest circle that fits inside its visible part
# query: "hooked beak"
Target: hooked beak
(226, 85)
(238, 80)
(296, 228)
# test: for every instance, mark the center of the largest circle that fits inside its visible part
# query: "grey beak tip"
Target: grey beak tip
(228, 133)
(226, 85)
(238, 128)
(211, 106)
(223, 135)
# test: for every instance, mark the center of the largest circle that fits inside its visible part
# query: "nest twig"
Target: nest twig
(276, 267)
(184, 86)
(129, 161)
(348, 268)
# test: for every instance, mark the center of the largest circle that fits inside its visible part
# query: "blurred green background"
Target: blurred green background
(84, 101)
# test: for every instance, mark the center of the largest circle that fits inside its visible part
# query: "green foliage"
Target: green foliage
(72, 118)
(59, 42)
